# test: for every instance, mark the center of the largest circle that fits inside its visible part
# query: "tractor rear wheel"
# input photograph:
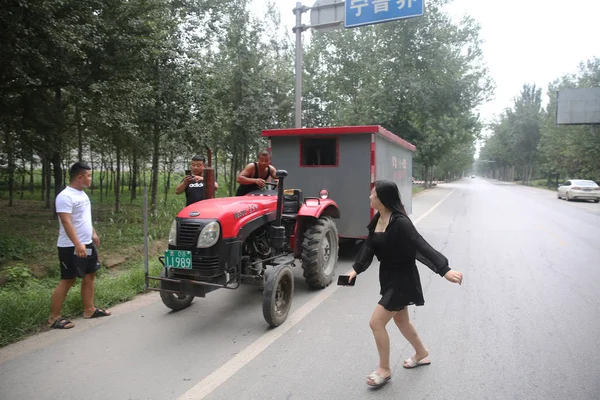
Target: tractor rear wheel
(174, 301)
(320, 253)
(277, 296)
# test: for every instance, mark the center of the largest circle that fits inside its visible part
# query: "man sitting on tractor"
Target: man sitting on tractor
(254, 176)
(193, 183)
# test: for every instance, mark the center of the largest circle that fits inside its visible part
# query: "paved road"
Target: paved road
(524, 324)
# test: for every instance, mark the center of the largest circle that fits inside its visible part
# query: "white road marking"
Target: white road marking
(207, 385)
(433, 208)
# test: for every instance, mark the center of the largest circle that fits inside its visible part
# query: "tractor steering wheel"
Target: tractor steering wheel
(274, 185)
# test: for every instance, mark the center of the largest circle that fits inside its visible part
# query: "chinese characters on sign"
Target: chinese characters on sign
(365, 12)
(399, 168)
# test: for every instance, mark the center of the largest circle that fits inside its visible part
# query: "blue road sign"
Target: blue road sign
(366, 12)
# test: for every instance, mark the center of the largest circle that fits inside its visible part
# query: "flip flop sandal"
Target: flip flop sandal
(61, 323)
(412, 363)
(98, 313)
(378, 380)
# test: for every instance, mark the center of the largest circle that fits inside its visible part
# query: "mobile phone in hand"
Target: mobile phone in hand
(188, 172)
(343, 280)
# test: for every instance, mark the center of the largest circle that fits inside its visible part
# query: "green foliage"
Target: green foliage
(16, 276)
(14, 248)
(24, 309)
(421, 78)
(526, 143)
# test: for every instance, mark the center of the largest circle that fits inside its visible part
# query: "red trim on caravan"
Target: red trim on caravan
(373, 171)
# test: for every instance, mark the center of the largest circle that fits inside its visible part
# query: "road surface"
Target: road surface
(522, 326)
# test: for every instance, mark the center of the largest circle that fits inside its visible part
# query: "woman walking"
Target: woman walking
(397, 244)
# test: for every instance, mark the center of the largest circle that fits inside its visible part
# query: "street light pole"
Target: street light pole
(298, 29)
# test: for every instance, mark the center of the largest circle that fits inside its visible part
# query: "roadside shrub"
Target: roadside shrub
(14, 248)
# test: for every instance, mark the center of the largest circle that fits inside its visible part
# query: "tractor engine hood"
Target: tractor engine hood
(232, 212)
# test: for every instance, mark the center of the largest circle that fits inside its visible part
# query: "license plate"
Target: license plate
(587, 190)
(178, 259)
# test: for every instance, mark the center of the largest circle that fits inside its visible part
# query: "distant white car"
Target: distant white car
(472, 176)
(579, 189)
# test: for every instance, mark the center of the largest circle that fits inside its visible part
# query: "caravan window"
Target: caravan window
(319, 152)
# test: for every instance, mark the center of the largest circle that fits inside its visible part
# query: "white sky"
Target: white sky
(526, 41)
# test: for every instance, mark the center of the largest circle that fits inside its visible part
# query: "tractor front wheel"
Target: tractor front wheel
(320, 253)
(277, 296)
(174, 301)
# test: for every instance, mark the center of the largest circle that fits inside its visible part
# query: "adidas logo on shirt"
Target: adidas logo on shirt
(198, 184)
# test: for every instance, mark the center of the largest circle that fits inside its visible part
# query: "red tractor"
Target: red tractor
(224, 242)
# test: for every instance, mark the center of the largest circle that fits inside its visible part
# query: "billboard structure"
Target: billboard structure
(580, 106)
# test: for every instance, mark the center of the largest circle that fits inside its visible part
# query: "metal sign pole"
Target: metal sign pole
(298, 30)
(325, 15)
(146, 236)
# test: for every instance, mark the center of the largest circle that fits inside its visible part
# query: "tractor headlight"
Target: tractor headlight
(173, 233)
(209, 235)
(324, 194)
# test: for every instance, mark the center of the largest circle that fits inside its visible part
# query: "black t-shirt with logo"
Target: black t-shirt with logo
(194, 192)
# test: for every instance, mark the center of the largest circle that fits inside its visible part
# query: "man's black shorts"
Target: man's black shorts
(72, 266)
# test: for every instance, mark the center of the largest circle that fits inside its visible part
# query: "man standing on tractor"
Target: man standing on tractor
(254, 176)
(193, 182)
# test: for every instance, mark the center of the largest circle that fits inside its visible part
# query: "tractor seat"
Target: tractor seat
(292, 200)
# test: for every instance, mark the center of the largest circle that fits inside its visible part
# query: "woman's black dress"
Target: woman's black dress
(397, 249)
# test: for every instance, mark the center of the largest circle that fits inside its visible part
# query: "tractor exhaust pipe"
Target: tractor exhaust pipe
(280, 174)
(277, 231)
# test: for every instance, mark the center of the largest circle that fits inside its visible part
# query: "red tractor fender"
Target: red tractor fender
(311, 209)
(315, 207)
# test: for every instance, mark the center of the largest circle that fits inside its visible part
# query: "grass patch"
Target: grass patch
(15, 247)
(417, 189)
(29, 269)
(542, 184)
(25, 305)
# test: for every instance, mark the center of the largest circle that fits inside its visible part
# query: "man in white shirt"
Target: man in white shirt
(77, 241)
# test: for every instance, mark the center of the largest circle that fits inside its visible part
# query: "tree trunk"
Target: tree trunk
(122, 178)
(225, 175)
(118, 181)
(65, 168)
(11, 165)
(134, 175)
(23, 163)
(48, 179)
(130, 175)
(92, 165)
(232, 170)
(216, 165)
(144, 178)
(111, 178)
(79, 132)
(44, 168)
(56, 155)
(101, 174)
(58, 177)
(31, 174)
(168, 181)
(155, 162)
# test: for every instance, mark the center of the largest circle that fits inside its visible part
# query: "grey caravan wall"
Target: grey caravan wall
(394, 162)
(348, 183)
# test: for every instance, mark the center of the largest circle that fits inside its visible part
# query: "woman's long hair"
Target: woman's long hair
(389, 195)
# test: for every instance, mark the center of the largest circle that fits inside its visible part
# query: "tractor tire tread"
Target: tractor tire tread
(310, 254)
